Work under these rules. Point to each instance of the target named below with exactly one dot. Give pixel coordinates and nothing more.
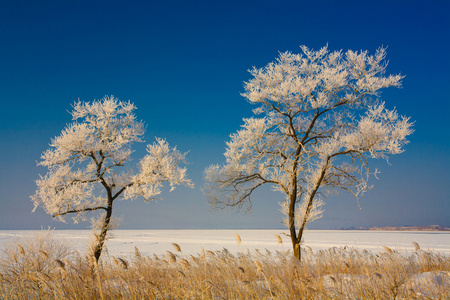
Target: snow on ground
(148, 242)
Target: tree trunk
(296, 243)
(297, 249)
(102, 236)
(297, 238)
(294, 238)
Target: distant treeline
(401, 228)
(413, 228)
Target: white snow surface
(123, 242)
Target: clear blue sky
(183, 63)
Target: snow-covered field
(191, 241)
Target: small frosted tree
(88, 166)
(320, 120)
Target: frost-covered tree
(89, 165)
(319, 121)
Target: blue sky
(183, 64)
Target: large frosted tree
(89, 165)
(318, 122)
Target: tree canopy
(319, 119)
(89, 164)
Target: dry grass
(337, 273)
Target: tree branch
(78, 211)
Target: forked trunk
(296, 244)
(297, 238)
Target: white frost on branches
(88, 163)
(301, 212)
(318, 121)
(159, 166)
